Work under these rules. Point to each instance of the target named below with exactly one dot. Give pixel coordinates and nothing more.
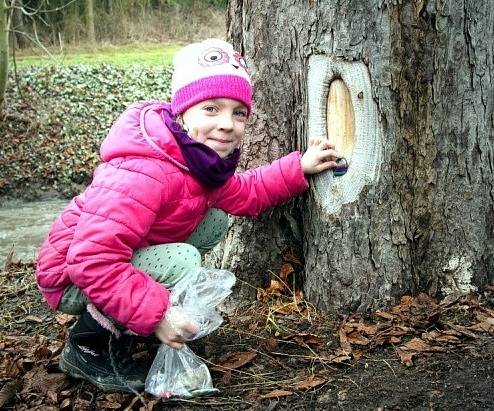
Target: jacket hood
(141, 132)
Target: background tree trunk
(18, 25)
(90, 21)
(4, 50)
(427, 223)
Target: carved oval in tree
(340, 118)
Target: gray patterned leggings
(166, 263)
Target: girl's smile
(218, 123)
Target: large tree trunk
(423, 220)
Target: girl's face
(218, 123)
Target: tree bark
(426, 221)
(91, 36)
(4, 51)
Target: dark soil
(293, 357)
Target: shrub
(53, 132)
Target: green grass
(145, 54)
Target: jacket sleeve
(252, 192)
(119, 208)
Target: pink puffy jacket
(143, 195)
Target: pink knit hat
(207, 70)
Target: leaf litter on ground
(248, 363)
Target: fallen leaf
(416, 344)
(64, 319)
(39, 380)
(275, 394)
(286, 270)
(108, 404)
(270, 344)
(232, 361)
(275, 288)
(344, 344)
(290, 258)
(34, 319)
(8, 390)
(305, 339)
(406, 357)
(65, 403)
(311, 382)
(286, 308)
(385, 315)
(357, 338)
(227, 378)
(52, 396)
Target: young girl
(155, 206)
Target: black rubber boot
(88, 355)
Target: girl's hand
(320, 156)
(176, 328)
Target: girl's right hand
(176, 328)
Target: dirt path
(277, 355)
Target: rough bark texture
(428, 223)
(91, 36)
(4, 50)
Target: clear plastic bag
(181, 373)
(178, 374)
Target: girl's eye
(210, 109)
(241, 113)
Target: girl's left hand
(320, 156)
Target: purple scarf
(203, 162)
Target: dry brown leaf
(369, 329)
(8, 390)
(440, 337)
(275, 288)
(450, 299)
(52, 396)
(463, 330)
(305, 339)
(357, 338)
(65, 403)
(385, 315)
(109, 405)
(43, 382)
(262, 295)
(406, 357)
(270, 344)
(290, 258)
(344, 344)
(285, 308)
(311, 382)
(416, 344)
(227, 378)
(64, 319)
(340, 356)
(33, 319)
(232, 361)
(275, 394)
(286, 270)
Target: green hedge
(53, 128)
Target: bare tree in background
(4, 49)
(90, 21)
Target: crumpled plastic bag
(181, 373)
